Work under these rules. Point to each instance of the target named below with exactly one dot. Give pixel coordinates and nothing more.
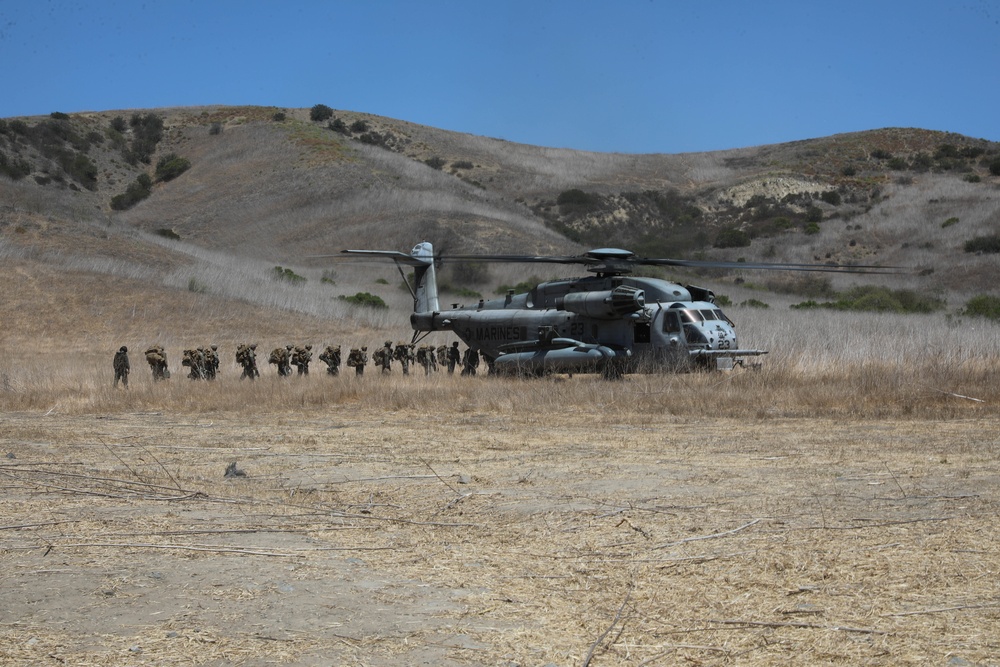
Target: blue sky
(629, 76)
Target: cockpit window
(722, 316)
(708, 315)
(690, 316)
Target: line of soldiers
(203, 362)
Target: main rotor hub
(610, 261)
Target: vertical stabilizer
(426, 289)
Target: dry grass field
(754, 517)
(836, 504)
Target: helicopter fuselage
(592, 323)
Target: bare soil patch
(368, 535)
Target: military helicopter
(610, 322)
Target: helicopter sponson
(559, 355)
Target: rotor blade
(394, 255)
(771, 266)
(519, 259)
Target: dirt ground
(485, 539)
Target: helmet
(388, 343)
(123, 349)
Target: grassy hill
(203, 203)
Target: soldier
(156, 357)
(331, 357)
(279, 357)
(357, 359)
(383, 357)
(301, 358)
(425, 357)
(121, 366)
(454, 356)
(246, 356)
(442, 355)
(470, 362)
(402, 355)
(211, 362)
(195, 360)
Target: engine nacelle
(606, 304)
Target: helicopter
(610, 322)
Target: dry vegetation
(836, 504)
(471, 521)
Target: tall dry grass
(790, 384)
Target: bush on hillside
(435, 162)
(320, 112)
(732, 238)
(171, 166)
(138, 190)
(287, 275)
(14, 168)
(364, 299)
(995, 167)
(983, 305)
(878, 299)
(984, 244)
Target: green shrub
(995, 167)
(879, 299)
(338, 126)
(359, 126)
(462, 164)
(196, 286)
(435, 162)
(119, 125)
(320, 112)
(215, 128)
(880, 154)
(983, 305)
(577, 199)
(14, 168)
(287, 275)
(364, 299)
(949, 222)
(814, 214)
(972, 178)
(811, 228)
(329, 277)
(278, 117)
(831, 197)
(138, 190)
(984, 244)
(732, 238)
(59, 115)
(898, 164)
(171, 166)
(754, 303)
(168, 233)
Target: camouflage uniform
(301, 358)
(470, 362)
(211, 362)
(156, 357)
(442, 355)
(357, 360)
(425, 357)
(280, 357)
(331, 357)
(403, 356)
(246, 356)
(121, 366)
(195, 360)
(383, 357)
(454, 356)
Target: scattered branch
(709, 537)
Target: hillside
(209, 200)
